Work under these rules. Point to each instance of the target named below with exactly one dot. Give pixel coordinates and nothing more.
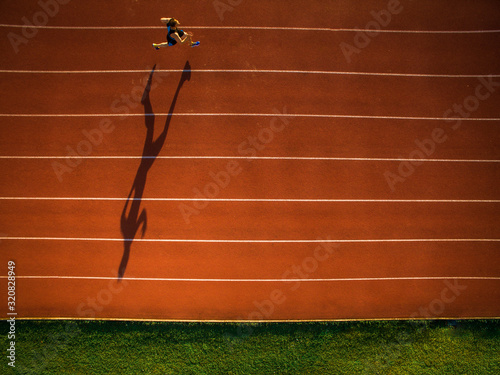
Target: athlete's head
(173, 22)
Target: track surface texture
(311, 160)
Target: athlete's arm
(178, 39)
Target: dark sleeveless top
(171, 41)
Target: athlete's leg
(160, 45)
(186, 37)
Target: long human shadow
(135, 219)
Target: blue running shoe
(194, 44)
(156, 47)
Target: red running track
(262, 176)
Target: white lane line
(299, 158)
(253, 28)
(245, 71)
(260, 280)
(247, 241)
(286, 200)
(220, 114)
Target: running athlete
(175, 35)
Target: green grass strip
(394, 347)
